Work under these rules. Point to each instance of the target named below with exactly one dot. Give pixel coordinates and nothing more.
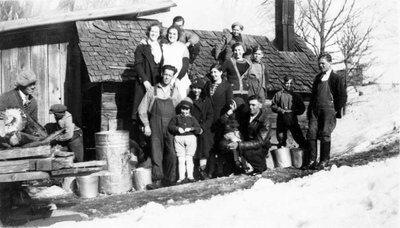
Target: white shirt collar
(325, 76)
(25, 99)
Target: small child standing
(185, 127)
(232, 134)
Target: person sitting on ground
(185, 127)
(72, 136)
(256, 130)
(288, 105)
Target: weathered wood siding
(45, 52)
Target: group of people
(217, 124)
(210, 126)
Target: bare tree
(319, 21)
(355, 46)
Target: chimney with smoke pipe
(284, 25)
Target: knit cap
(187, 102)
(25, 78)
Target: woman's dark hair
(238, 44)
(256, 48)
(177, 29)
(178, 18)
(216, 66)
(155, 24)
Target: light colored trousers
(185, 147)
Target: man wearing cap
(223, 49)
(22, 96)
(72, 137)
(256, 130)
(155, 111)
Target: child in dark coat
(288, 105)
(185, 127)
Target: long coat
(147, 70)
(220, 101)
(203, 111)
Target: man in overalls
(155, 111)
(328, 99)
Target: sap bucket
(141, 178)
(113, 146)
(88, 186)
(297, 157)
(281, 157)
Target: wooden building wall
(50, 53)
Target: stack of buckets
(285, 157)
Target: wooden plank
(24, 58)
(54, 92)
(14, 177)
(135, 9)
(62, 163)
(1, 73)
(63, 154)
(44, 164)
(17, 152)
(63, 69)
(9, 69)
(16, 166)
(89, 164)
(75, 171)
(39, 67)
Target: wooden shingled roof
(108, 49)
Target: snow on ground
(364, 196)
(369, 116)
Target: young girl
(185, 127)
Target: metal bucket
(113, 146)
(297, 157)
(141, 178)
(282, 158)
(88, 186)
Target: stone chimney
(284, 25)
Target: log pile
(41, 162)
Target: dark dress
(202, 110)
(147, 70)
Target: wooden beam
(16, 166)
(75, 171)
(138, 9)
(40, 151)
(14, 177)
(89, 164)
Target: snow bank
(367, 118)
(364, 196)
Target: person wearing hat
(156, 109)
(203, 111)
(223, 50)
(72, 136)
(22, 96)
(185, 127)
(288, 105)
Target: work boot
(156, 184)
(310, 156)
(325, 155)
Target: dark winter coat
(221, 98)
(12, 99)
(287, 100)
(256, 135)
(147, 70)
(181, 121)
(337, 85)
(203, 111)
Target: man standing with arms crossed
(328, 99)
